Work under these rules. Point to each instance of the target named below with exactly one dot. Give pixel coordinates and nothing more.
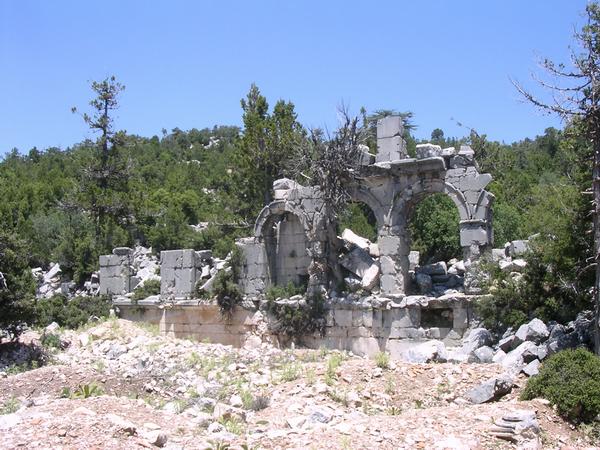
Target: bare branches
(336, 160)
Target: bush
(289, 290)
(298, 320)
(549, 289)
(70, 313)
(150, 287)
(570, 380)
(225, 288)
(16, 284)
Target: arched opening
(359, 217)
(433, 224)
(286, 247)
(433, 234)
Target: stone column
(393, 259)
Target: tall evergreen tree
(576, 98)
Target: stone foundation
(364, 328)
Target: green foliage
(51, 340)
(16, 284)
(434, 229)
(225, 288)
(359, 218)
(70, 313)
(570, 380)
(299, 320)
(275, 291)
(10, 405)
(150, 287)
(83, 391)
(382, 360)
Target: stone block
(342, 317)
(352, 239)
(388, 265)
(122, 251)
(358, 261)
(390, 126)
(390, 284)
(428, 151)
(414, 258)
(188, 258)
(473, 235)
(389, 245)
(460, 318)
(390, 149)
(402, 318)
(170, 258)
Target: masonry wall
(364, 330)
(291, 257)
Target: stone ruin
(289, 233)
(289, 244)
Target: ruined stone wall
(365, 328)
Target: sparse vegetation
(382, 360)
(10, 406)
(150, 287)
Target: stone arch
(277, 208)
(414, 193)
(284, 232)
(364, 195)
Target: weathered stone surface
(428, 151)
(413, 259)
(352, 240)
(484, 354)
(532, 368)
(427, 352)
(517, 248)
(358, 261)
(514, 360)
(535, 331)
(493, 389)
(370, 277)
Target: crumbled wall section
(116, 273)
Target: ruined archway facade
(390, 183)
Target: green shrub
(298, 320)
(275, 291)
(150, 287)
(543, 291)
(51, 340)
(570, 380)
(70, 313)
(225, 287)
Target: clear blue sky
(188, 64)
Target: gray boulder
(438, 268)
(478, 337)
(484, 354)
(514, 360)
(509, 343)
(533, 368)
(535, 331)
(493, 389)
(430, 351)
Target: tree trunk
(596, 190)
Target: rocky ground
(120, 385)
